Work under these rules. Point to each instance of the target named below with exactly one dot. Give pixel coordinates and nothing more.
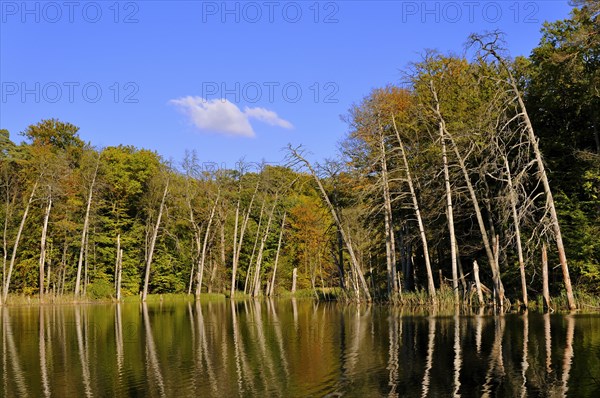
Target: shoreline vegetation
(475, 181)
(586, 303)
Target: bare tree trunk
(49, 277)
(496, 243)
(390, 244)
(294, 277)
(86, 222)
(259, 256)
(223, 254)
(550, 200)
(430, 284)
(340, 257)
(119, 267)
(234, 248)
(16, 245)
(200, 273)
(277, 257)
(515, 216)
(449, 210)
(193, 270)
(7, 214)
(354, 261)
(43, 246)
(248, 272)
(86, 275)
(64, 269)
(545, 289)
(477, 283)
(153, 242)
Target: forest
(461, 182)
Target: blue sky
(227, 79)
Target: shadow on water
(293, 348)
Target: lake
(293, 348)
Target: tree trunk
(153, 242)
(340, 257)
(390, 244)
(86, 221)
(16, 245)
(430, 284)
(277, 256)
(119, 267)
(43, 246)
(259, 256)
(449, 212)
(7, 215)
(550, 200)
(249, 271)
(49, 277)
(545, 289)
(461, 272)
(515, 216)
(200, 273)
(477, 283)
(234, 248)
(294, 277)
(354, 261)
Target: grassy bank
(19, 299)
(411, 300)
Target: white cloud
(225, 117)
(267, 116)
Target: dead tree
(43, 243)
(415, 201)
(491, 48)
(355, 266)
(390, 241)
(84, 232)
(200, 272)
(16, 245)
(272, 286)
(153, 242)
(498, 287)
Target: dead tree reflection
(153, 366)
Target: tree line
(464, 176)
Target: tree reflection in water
(293, 348)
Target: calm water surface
(292, 348)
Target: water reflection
(151, 357)
(83, 345)
(524, 361)
(429, 361)
(457, 353)
(12, 355)
(293, 348)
